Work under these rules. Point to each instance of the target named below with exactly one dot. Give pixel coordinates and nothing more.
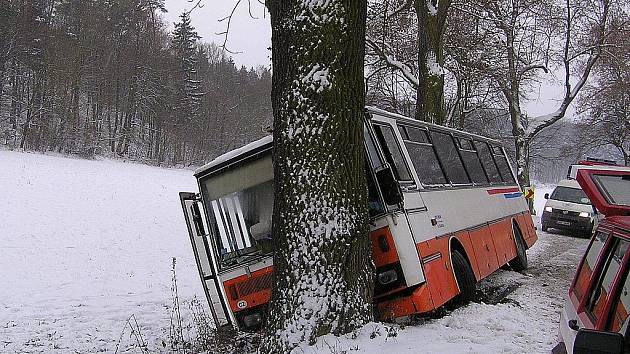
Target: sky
(250, 39)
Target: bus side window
(471, 161)
(590, 260)
(375, 206)
(392, 152)
(487, 161)
(423, 157)
(504, 167)
(448, 155)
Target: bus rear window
(504, 166)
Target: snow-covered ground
(83, 246)
(86, 244)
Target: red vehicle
(596, 318)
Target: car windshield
(571, 195)
(239, 208)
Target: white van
(568, 208)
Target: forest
(107, 78)
(122, 84)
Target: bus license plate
(565, 223)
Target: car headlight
(548, 209)
(387, 277)
(585, 214)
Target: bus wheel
(465, 278)
(519, 263)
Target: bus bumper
(419, 301)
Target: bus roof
(261, 144)
(399, 117)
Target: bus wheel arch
(463, 272)
(518, 263)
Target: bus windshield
(239, 208)
(571, 195)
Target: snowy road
(85, 244)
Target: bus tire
(545, 227)
(465, 278)
(519, 263)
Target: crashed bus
(445, 212)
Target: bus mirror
(389, 186)
(591, 341)
(546, 195)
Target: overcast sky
(249, 36)
(252, 38)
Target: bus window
(423, 157)
(597, 299)
(471, 161)
(391, 150)
(504, 167)
(375, 206)
(448, 155)
(373, 158)
(487, 161)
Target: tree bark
(322, 264)
(430, 92)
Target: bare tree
(521, 38)
(322, 266)
(421, 24)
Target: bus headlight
(585, 214)
(252, 320)
(387, 277)
(548, 209)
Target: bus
(445, 212)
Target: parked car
(595, 318)
(568, 208)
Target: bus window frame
(458, 139)
(507, 161)
(446, 132)
(429, 143)
(408, 184)
(372, 169)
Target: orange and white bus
(445, 212)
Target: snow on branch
(392, 62)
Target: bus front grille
(254, 285)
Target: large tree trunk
(430, 92)
(322, 265)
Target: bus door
(205, 259)
(386, 157)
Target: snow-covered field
(83, 246)
(86, 244)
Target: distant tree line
(92, 77)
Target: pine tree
(188, 88)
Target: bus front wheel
(465, 278)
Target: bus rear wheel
(519, 263)
(465, 278)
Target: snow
(233, 153)
(86, 244)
